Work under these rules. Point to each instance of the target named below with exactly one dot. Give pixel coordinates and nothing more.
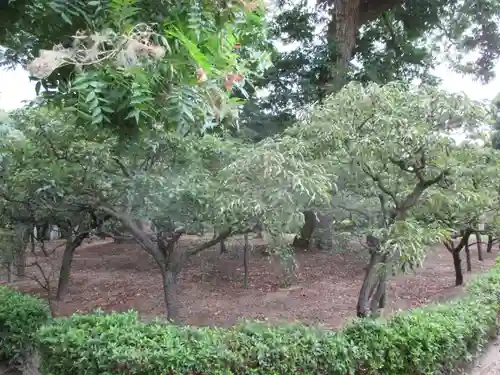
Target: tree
(178, 183)
(339, 41)
(472, 197)
(30, 197)
(393, 148)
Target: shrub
(427, 340)
(21, 316)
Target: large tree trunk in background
(347, 22)
(316, 231)
(65, 271)
(10, 272)
(20, 263)
(346, 18)
(455, 253)
(223, 247)
(457, 264)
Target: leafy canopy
(129, 65)
(392, 150)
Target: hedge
(428, 340)
(21, 316)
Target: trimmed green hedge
(21, 316)
(428, 340)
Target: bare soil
(489, 362)
(120, 277)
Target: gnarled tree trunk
(371, 298)
(316, 232)
(455, 250)
(69, 250)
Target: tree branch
(123, 167)
(212, 242)
(378, 180)
(142, 238)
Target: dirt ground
(123, 276)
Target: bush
(21, 316)
(428, 340)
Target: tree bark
(10, 273)
(65, 271)
(479, 246)
(304, 239)
(369, 284)
(20, 262)
(170, 294)
(223, 247)
(346, 18)
(246, 250)
(20, 252)
(489, 248)
(457, 264)
(467, 257)
(316, 231)
(378, 300)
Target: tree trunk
(304, 239)
(170, 293)
(377, 303)
(457, 264)
(223, 247)
(10, 273)
(369, 284)
(246, 249)
(20, 256)
(489, 248)
(64, 273)
(479, 246)
(345, 27)
(20, 262)
(467, 257)
(346, 19)
(316, 231)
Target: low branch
(222, 236)
(378, 181)
(418, 190)
(142, 238)
(123, 167)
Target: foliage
(21, 316)
(131, 65)
(472, 194)
(421, 341)
(396, 40)
(190, 179)
(386, 171)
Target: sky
(15, 86)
